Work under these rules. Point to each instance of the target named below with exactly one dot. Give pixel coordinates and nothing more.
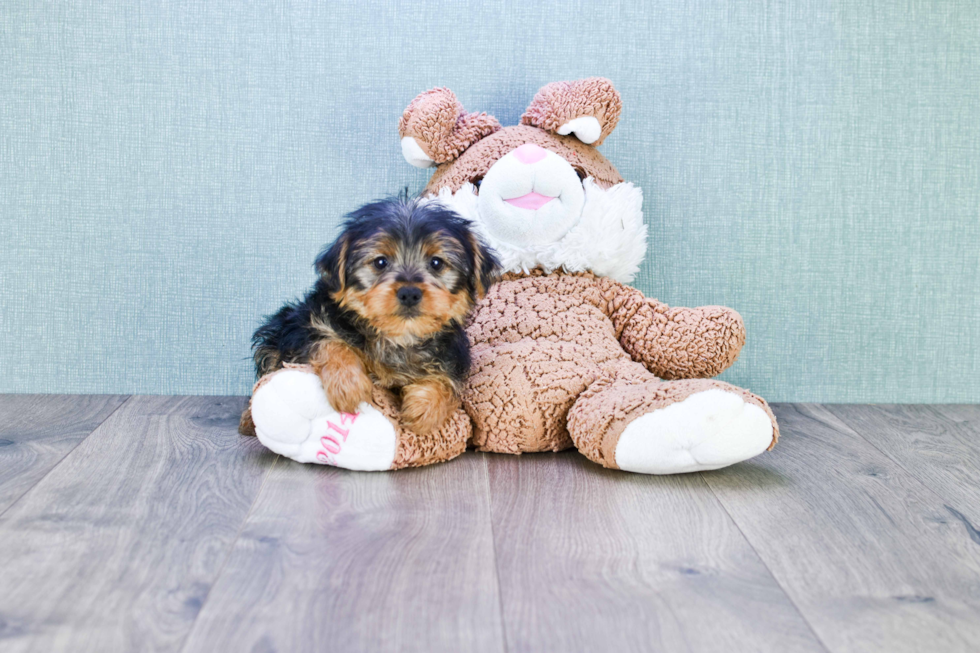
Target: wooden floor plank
(867, 552)
(333, 560)
(592, 559)
(939, 445)
(116, 548)
(36, 431)
(860, 529)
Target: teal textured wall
(169, 170)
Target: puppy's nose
(409, 296)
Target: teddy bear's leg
(293, 418)
(518, 394)
(633, 421)
(245, 424)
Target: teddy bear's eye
(581, 174)
(476, 182)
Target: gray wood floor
(148, 524)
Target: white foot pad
(708, 430)
(293, 418)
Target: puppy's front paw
(427, 404)
(346, 388)
(342, 374)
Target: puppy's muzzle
(409, 296)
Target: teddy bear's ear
(589, 108)
(435, 128)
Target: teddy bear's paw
(707, 430)
(293, 418)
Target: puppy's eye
(380, 263)
(437, 264)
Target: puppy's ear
(331, 264)
(486, 267)
(435, 128)
(588, 108)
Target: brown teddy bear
(564, 354)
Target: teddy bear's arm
(674, 343)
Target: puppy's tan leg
(341, 370)
(427, 403)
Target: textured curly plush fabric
(475, 161)
(554, 361)
(440, 125)
(609, 405)
(559, 102)
(413, 449)
(678, 343)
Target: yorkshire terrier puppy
(388, 309)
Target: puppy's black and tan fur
(387, 309)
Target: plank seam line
(493, 545)
(772, 575)
(231, 550)
(67, 453)
(915, 477)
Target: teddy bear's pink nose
(530, 153)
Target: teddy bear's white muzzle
(531, 196)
